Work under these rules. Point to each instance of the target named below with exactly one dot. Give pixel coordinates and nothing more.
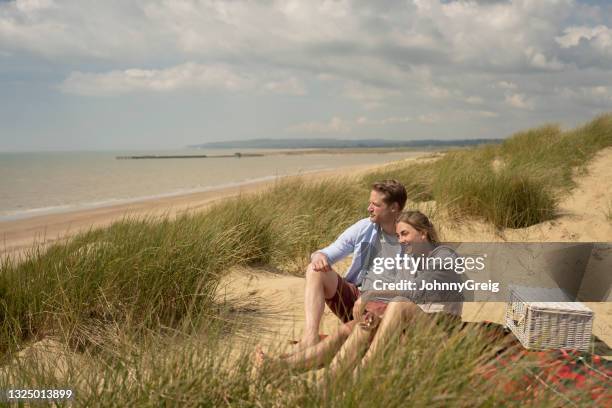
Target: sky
(163, 74)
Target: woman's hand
(358, 308)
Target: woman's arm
(371, 295)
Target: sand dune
(583, 218)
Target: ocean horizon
(39, 183)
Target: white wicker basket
(552, 323)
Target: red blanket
(574, 378)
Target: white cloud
(340, 125)
(334, 125)
(485, 114)
(28, 6)
(474, 100)
(462, 60)
(362, 120)
(539, 60)
(599, 95)
(599, 36)
(370, 96)
(518, 101)
(185, 76)
(437, 92)
(496, 35)
(288, 86)
(290, 32)
(506, 85)
(430, 118)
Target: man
(367, 239)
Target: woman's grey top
(435, 270)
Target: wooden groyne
(190, 156)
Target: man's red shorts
(343, 300)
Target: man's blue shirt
(358, 239)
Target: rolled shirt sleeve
(343, 246)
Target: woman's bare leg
(354, 347)
(396, 317)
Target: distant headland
(340, 143)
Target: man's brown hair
(393, 192)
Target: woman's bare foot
(259, 360)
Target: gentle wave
(58, 209)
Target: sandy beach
(17, 236)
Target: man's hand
(320, 263)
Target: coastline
(19, 235)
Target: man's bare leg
(320, 285)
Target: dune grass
(438, 368)
(514, 184)
(117, 297)
(150, 274)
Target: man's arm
(343, 246)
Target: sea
(34, 184)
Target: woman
(419, 238)
(382, 313)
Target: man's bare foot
(307, 342)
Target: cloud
(599, 96)
(518, 101)
(539, 60)
(340, 125)
(410, 62)
(600, 36)
(430, 118)
(474, 100)
(370, 96)
(506, 85)
(187, 76)
(288, 86)
(485, 114)
(386, 37)
(384, 121)
(28, 6)
(437, 92)
(334, 125)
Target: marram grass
(150, 274)
(515, 184)
(135, 304)
(431, 365)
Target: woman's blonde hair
(421, 223)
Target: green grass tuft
(513, 185)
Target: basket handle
(514, 316)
